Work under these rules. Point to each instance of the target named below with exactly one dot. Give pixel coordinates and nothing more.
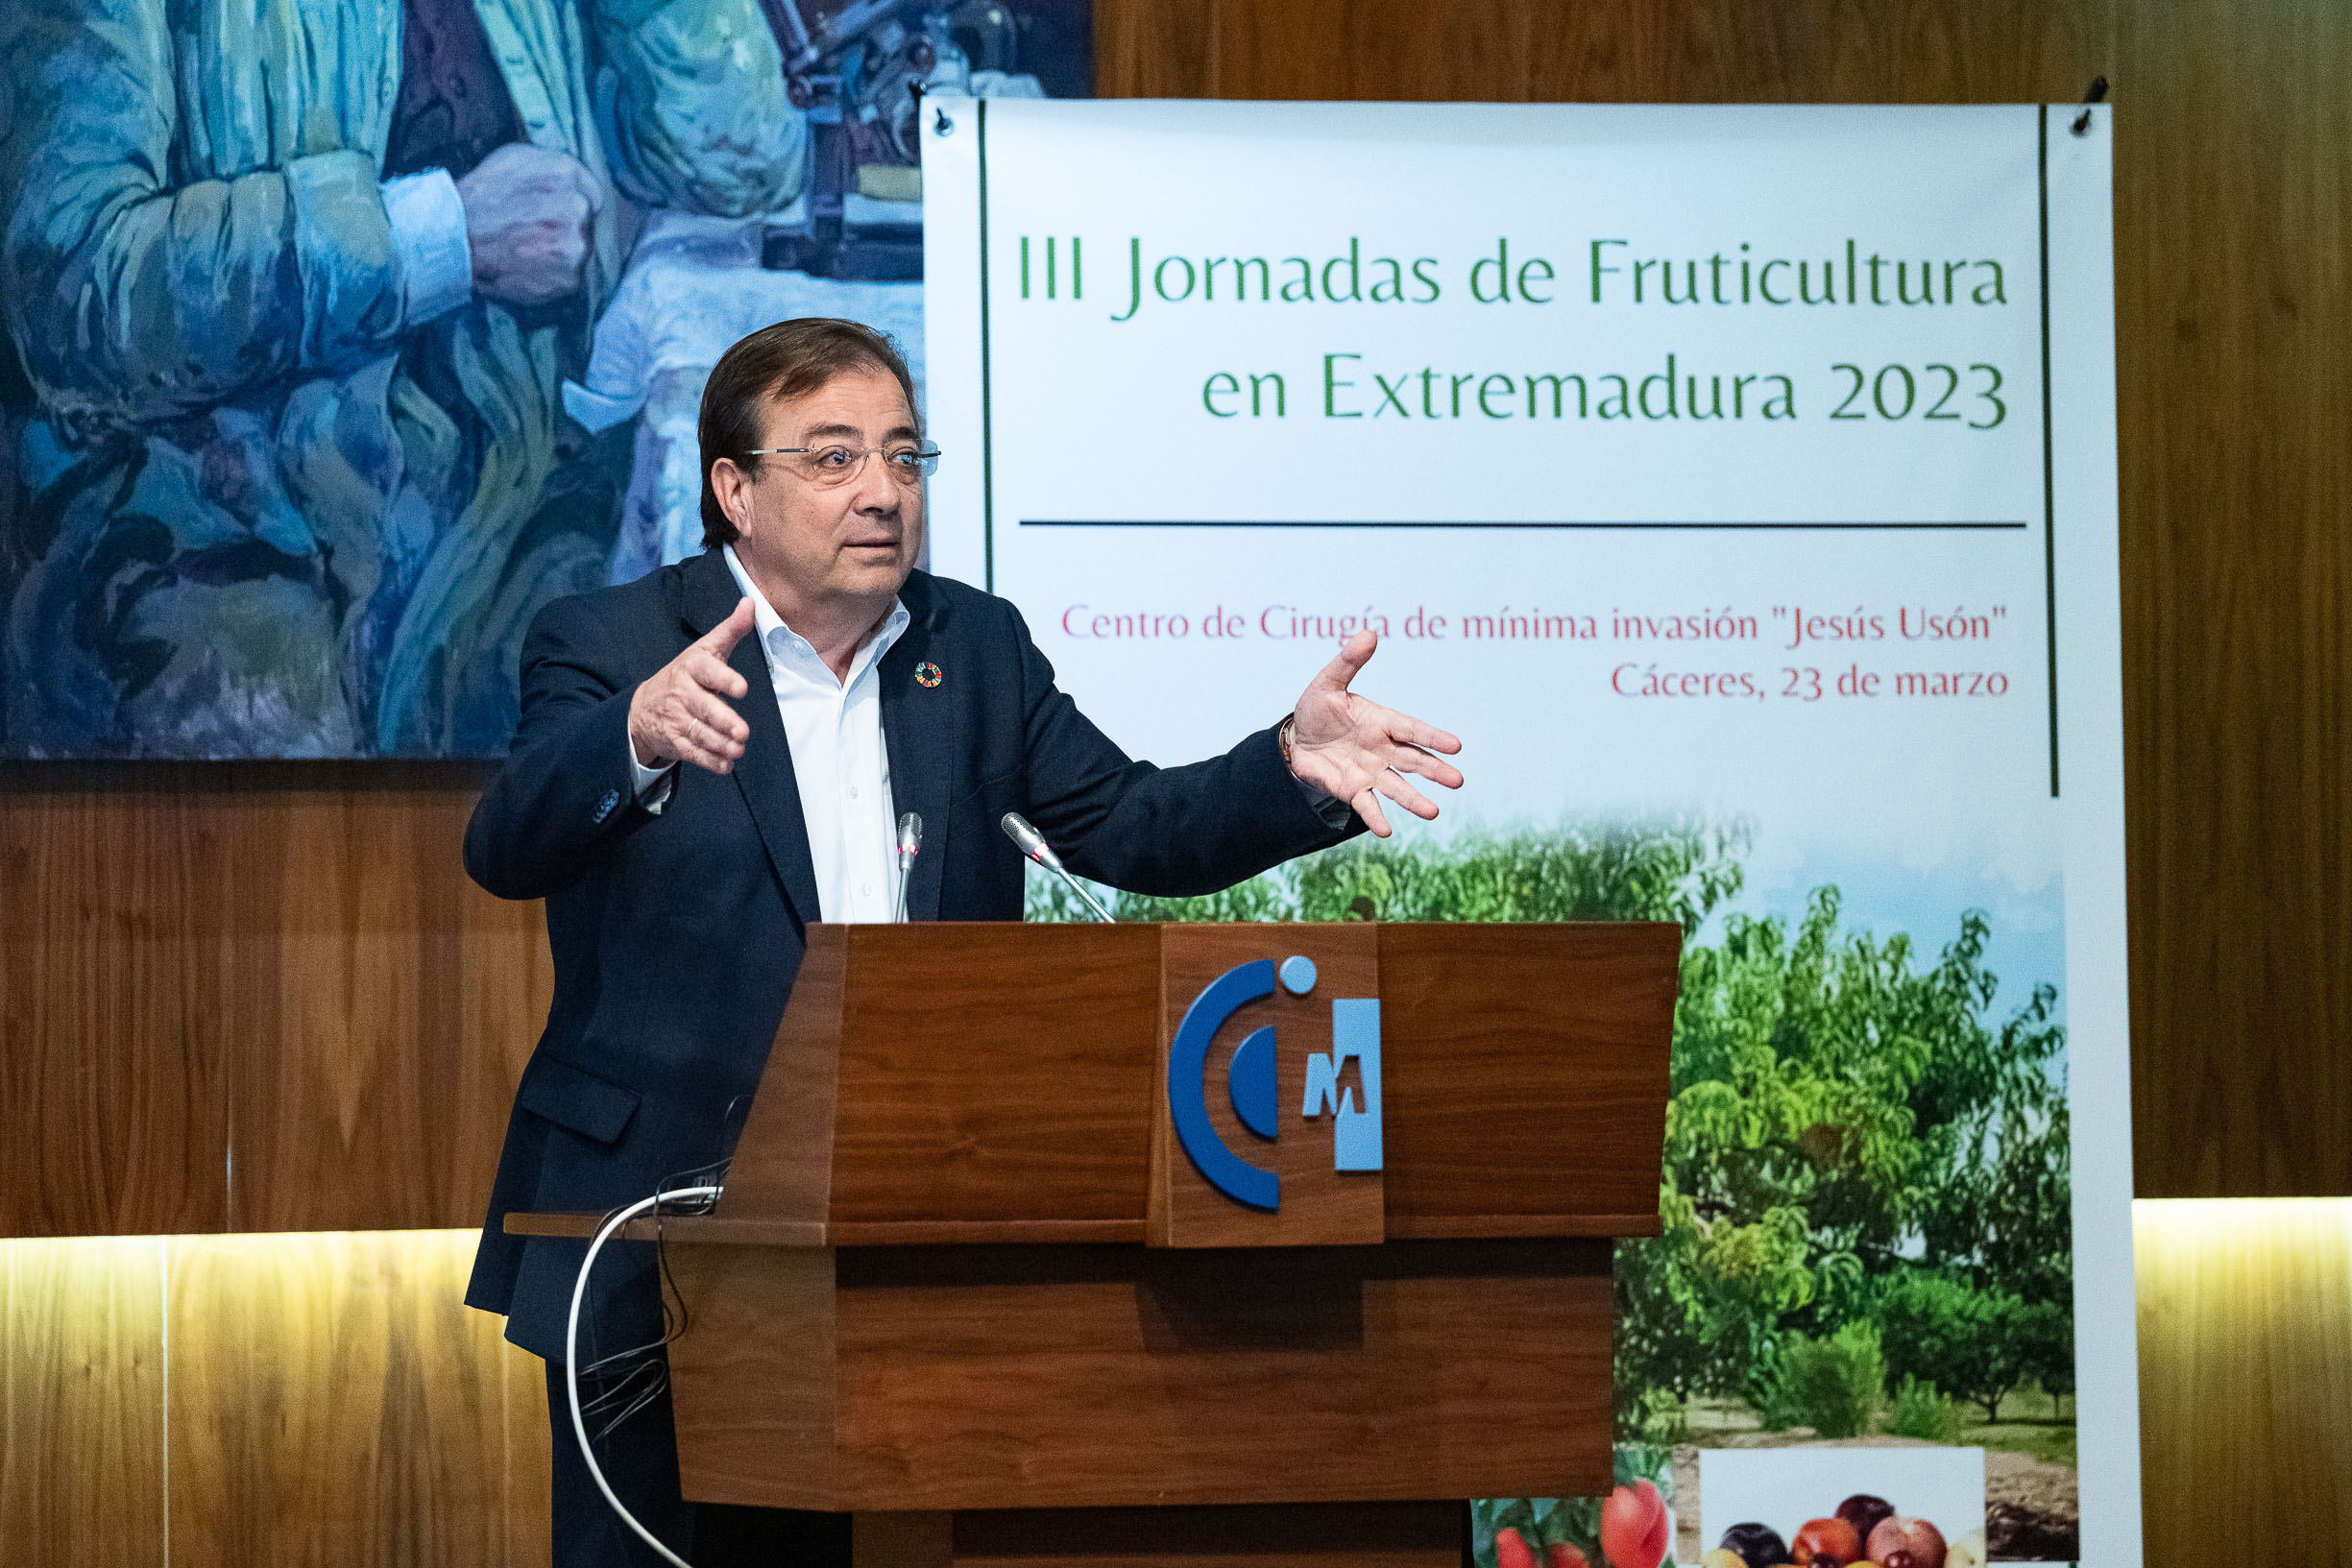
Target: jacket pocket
(576, 1099)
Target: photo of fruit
(1843, 1508)
(1632, 1527)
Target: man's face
(854, 540)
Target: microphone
(910, 843)
(1032, 844)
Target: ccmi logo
(1251, 1079)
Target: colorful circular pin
(928, 675)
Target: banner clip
(2098, 94)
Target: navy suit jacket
(677, 935)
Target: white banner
(1745, 467)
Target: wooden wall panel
(2234, 310)
(2245, 1377)
(321, 1400)
(392, 1004)
(1660, 51)
(81, 1437)
(528, 1457)
(332, 1403)
(112, 1023)
(254, 998)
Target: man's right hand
(682, 712)
(528, 210)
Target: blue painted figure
(295, 287)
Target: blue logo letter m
(1355, 1035)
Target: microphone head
(909, 834)
(1028, 839)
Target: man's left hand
(1359, 751)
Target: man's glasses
(829, 465)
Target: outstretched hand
(1353, 748)
(681, 714)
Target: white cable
(571, 1358)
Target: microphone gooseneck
(909, 844)
(1032, 845)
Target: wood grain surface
(754, 1396)
(1490, 1111)
(391, 1006)
(241, 1400)
(288, 954)
(2233, 307)
(114, 1030)
(1085, 1377)
(2245, 1376)
(956, 1075)
(782, 1165)
(939, 1084)
(333, 1402)
(970, 1088)
(82, 1435)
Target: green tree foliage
(1830, 1385)
(1852, 1133)
(1965, 1337)
(1667, 869)
(1842, 1114)
(1921, 1411)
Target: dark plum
(1863, 1512)
(1759, 1546)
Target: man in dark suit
(688, 795)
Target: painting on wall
(341, 337)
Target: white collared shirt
(834, 727)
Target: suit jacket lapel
(765, 771)
(918, 732)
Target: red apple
(1832, 1543)
(1562, 1555)
(1901, 1533)
(1634, 1527)
(1512, 1550)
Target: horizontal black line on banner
(1240, 522)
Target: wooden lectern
(968, 1282)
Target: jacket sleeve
(567, 794)
(698, 114)
(136, 298)
(1169, 832)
